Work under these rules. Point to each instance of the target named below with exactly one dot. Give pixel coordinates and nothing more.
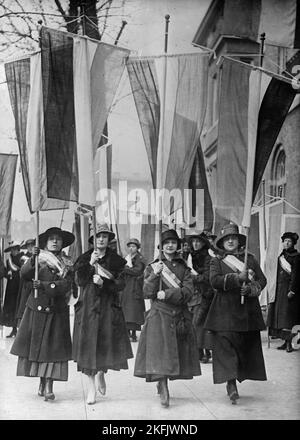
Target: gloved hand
(35, 251)
(158, 267)
(97, 280)
(243, 276)
(245, 289)
(36, 284)
(290, 294)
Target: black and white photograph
(149, 213)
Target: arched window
(278, 174)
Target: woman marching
(12, 273)
(132, 299)
(284, 313)
(100, 338)
(237, 350)
(203, 292)
(43, 342)
(167, 347)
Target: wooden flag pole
(94, 228)
(36, 265)
(262, 44)
(161, 164)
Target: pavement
(131, 398)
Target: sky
(143, 35)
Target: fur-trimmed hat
(67, 237)
(230, 229)
(101, 229)
(292, 235)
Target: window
(278, 173)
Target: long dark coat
(226, 312)
(203, 295)
(11, 292)
(284, 313)
(23, 294)
(167, 345)
(100, 338)
(132, 299)
(236, 342)
(44, 333)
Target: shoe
(282, 347)
(232, 391)
(204, 359)
(208, 354)
(101, 383)
(164, 393)
(49, 395)
(12, 334)
(289, 347)
(41, 391)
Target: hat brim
(24, 246)
(205, 240)
(241, 238)
(111, 236)
(67, 238)
(9, 248)
(132, 242)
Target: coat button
(52, 285)
(47, 309)
(173, 312)
(39, 308)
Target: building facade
(227, 29)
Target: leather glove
(36, 284)
(243, 276)
(245, 290)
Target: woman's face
(231, 243)
(170, 246)
(54, 243)
(287, 243)
(102, 240)
(197, 244)
(132, 249)
(185, 247)
(14, 251)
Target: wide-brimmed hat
(12, 244)
(67, 237)
(102, 228)
(230, 229)
(28, 242)
(292, 235)
(134, 241)
(201, 235)
(170, 234)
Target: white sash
(128, 258)
(169, 277)
(189, 263)
(237, 265)
(285, 265)
(234, 263)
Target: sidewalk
(131, 398)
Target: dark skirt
(49, 370)
(237, 355)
